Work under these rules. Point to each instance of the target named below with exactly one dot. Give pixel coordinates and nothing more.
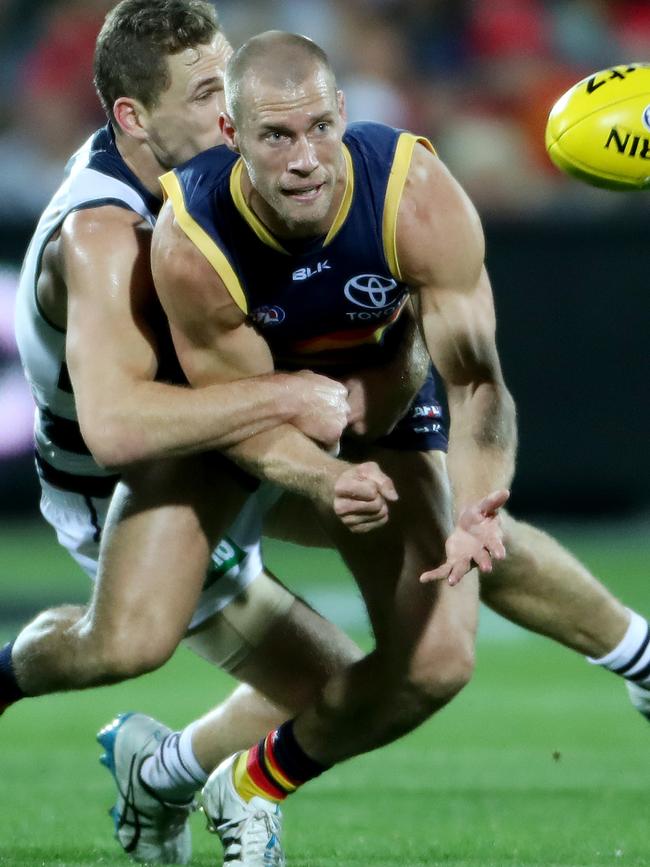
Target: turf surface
(540, 761)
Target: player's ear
(128, 114)
(340, 101)
(228, 131)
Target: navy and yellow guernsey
(330, 303)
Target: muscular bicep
(459, 327)
(111, 303)
(213, 339)
(440, 252)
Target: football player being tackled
(296, 188)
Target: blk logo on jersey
(306, 273)
(268, 316)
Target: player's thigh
(411, 621)
(294, 519)
(275, 642)
(164, 521)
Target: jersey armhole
(394, 189)
(173, 191)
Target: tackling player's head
(159, 74)
(285, 117)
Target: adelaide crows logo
(371, 291)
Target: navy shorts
(425, 427)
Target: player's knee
(56, 620)
(122, 655)
(440, 677)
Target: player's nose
(303, 157)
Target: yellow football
(599, 130)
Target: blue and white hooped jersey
(328, 302)
(324, 302)
(96, 175)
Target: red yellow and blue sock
(275, 767)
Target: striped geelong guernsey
(326, 302)
(96, 175)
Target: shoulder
(438, 227)
(184, 279)
(375, 141)
(95, 224)
(198, 177)
(104, 238)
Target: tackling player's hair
(137, 38)
(283, 58)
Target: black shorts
(425, 427)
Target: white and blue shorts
(236, 560)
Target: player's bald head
(276, 59)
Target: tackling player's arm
(112, 355)
(440, 251)
(215, 344)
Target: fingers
(451, 570)
(387, 490)
(355, 525)
(361, 517)
(491, 504)
(361, 496)
(496, 549)
(435, 574)
(384, 483)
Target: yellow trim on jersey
(247, 213)
(197, 234)
(258, 226)
(346, 201)
(398, 173)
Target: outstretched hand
(476, 540)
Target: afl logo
(371, 290)
(264, 316)
(646, 117)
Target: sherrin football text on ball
(599, 130)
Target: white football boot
(249, 831)
(148, 829)
(640, 697)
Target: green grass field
(541, 761)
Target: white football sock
(631, 657)
(173, 771)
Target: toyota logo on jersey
(371, 291)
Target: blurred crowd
(477, 76)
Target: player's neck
(142, 162)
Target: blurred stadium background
(570, 270)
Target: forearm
(291, 460)
(482, 441)
(155, 420)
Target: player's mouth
(304, 194)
